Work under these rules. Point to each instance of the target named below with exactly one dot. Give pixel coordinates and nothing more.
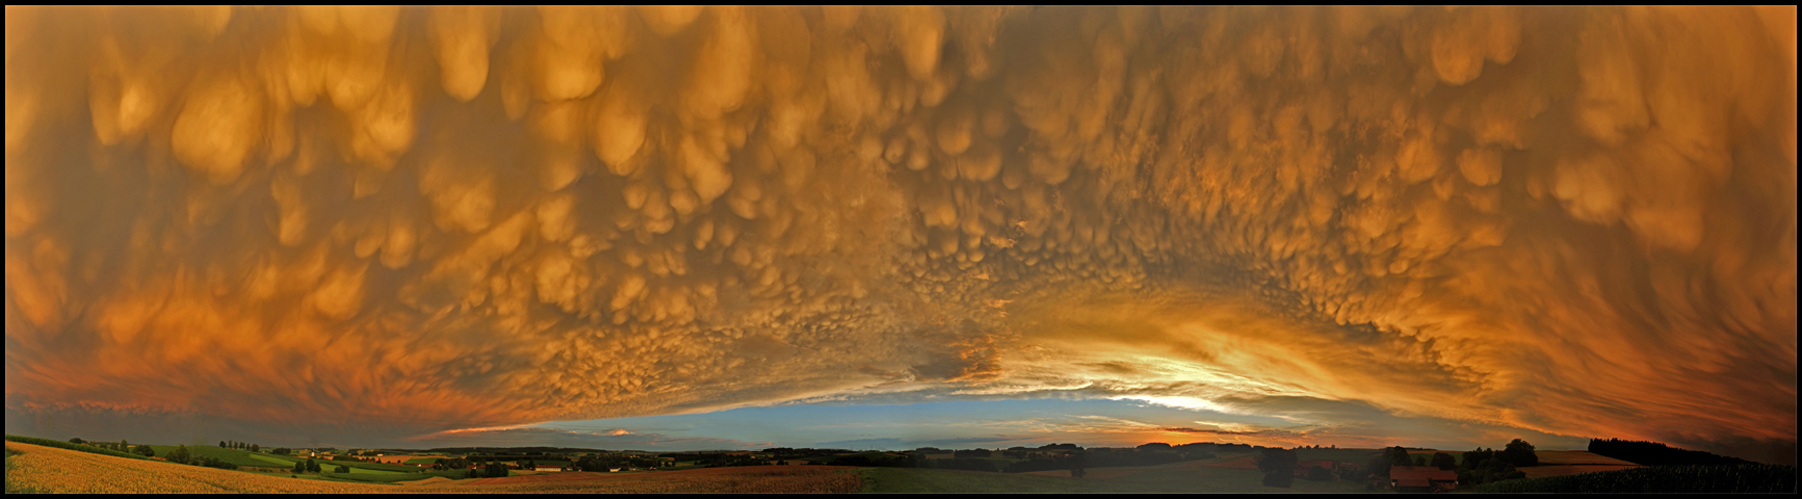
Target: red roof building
(1422, 479)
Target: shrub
(1279, 479)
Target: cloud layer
(1579, 221)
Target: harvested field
(1561, 470)
(1087, 474)
(428, 481)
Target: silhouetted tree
(1420, 460)
(300, 467)
(255, 448)
(77, 440)
(1445, 461)
(1278, 466)
(1519, 453)
(312, 466)
(1397, 456)
(222, 444)
(1378, 466)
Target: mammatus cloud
(1579, 221)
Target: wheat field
(65, 471)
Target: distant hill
(509, 450)
(1657, 454)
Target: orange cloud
(1575, 221)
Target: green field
(260, 460)
(234, 456)
(394, 477)
(1175, 477)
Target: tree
(180, 455)
(122, 442)
(1519, 453)
(1319, 474)
(300, 467)
(1378, 466)
(255, 448)
(222, 444)
(1444, 461)
(1397, 456)
(1278, 466)
(341, 469)
(77, 440)
(1420, 460)
(312, 466)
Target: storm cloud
(1576, 221)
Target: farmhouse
(547, 467)
(1422, 479)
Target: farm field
(234, 456)
(1187, 476)
(1561, 470)
(1569, 457)
(1237, 463)
(65, 471)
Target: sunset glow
(684, 228)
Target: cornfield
(64, 471)
(1719, 478)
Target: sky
(677, 228)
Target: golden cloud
(1579, 221)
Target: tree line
(233, 444)
(1657, 454)
(1478, 466)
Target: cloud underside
(1576, 221)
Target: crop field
(65, 471)
(1238, 463)
(1754, 478)
(1097, 474)
(234, 456)
(55, 470)
(1569, 457)
(751, 479)
(1174, 477)
(1561, 470)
